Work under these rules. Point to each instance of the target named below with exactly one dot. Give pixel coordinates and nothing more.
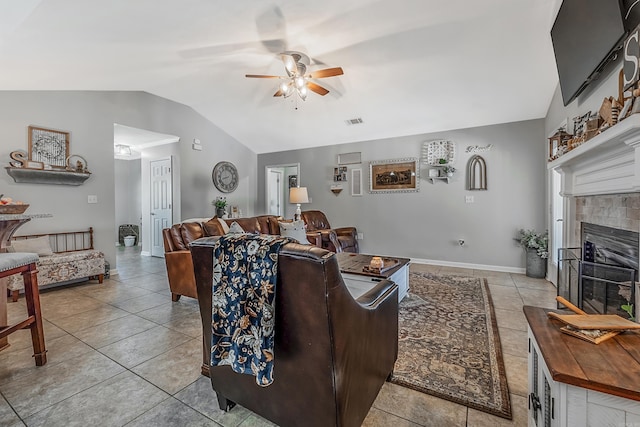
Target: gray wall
(427, 225)
(128, 193)
(90, 116)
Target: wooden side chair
(25, 263)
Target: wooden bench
(73, 260)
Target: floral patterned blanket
(245, 269)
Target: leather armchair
(341, 239)
(332, 353)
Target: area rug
(448, 343)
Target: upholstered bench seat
(9, 261)
(64, 268)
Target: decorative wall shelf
(42, 176)
(435, 179)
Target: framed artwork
(388, 176)
(51, 147)
(293, 181)
(340, 174)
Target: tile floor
(122, 353)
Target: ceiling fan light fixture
(300, 82)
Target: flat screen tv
(585, 34)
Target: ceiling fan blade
(290, 65)
(317, 88)
(327, 72)
(261, 76)
(279, 93)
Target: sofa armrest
(346, 231)
(315, 238)
(180, 273)
(374, 296)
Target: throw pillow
(39, 245)
(235, 228)
(224, 225)
(294, 230)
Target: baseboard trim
(500, 268)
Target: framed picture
(51, 147)
(293, 181)
(400, 175)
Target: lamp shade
(298, 195)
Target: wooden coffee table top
(354, 263)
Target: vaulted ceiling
(410, 66)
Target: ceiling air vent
(356, 121)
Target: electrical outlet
(468, 199)
(360, 236)
(92, 199)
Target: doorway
(161, 203)
(278, 179)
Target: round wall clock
(225, 177)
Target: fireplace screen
(600, 276)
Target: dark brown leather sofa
(341, 239)
(176, 246)
(332, 353)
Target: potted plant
(220, 203)
(449, 170)
(536, 245)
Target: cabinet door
(542, 391)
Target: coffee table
(359, 281)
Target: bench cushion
(64, 267)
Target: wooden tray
(607, 322)
(13, 209)
(594, 336)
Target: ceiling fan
(297, 79)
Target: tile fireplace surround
(600, 182)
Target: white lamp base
(298, 213)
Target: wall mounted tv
(585, 36)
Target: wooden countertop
(611, 367)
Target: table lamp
(298, 195)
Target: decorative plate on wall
(225, 177)
(433, 151)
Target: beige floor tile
(111, 403)
(511, 319)
(514, 342)
(54, 309)
(538, 298)
(419, 407)
(379, 418)
(171, 310)
(174, 370)
(139, 348)
(22, 338)
(189, 324)
(134, 305)
(517, 372)
(101, 314)
(200, 396)
(16, 363)
(519, 411)
(152, 282)
(505, 296)
(456, 271)
(53, 383)
(424, 268)
(8, 416)
(171, 413)
(115, 330)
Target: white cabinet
(557, 404)
(359, 284)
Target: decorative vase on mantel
(536, 265)
(220, 212)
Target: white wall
(427, 225)
(90, 116)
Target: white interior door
(161, 205)
(275, 199)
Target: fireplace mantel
(608, 163)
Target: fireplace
(600, 276)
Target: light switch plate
(92, 198)
(468, 199)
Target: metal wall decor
(49, 146)
(476, 173)
(433, 151)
